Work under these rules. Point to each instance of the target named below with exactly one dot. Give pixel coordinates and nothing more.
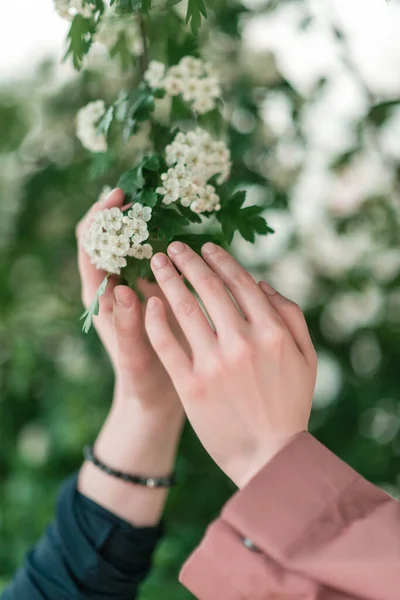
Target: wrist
(140, 442)
(261, 456)
(164, 406)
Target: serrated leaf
(148, 197)
(168, 223)
(79, 40)
(131, 180)
(189, 214)
(247, 221)
(151, 163)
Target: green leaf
(344, 159)
(167, 223)
(121, 50)
(380, 112)
(101, 163)
(131, 180)
(121, 106)
(105, 122)
(94, 308)
(151, 163)
(79, 40)
(247, 221)
(148, 197)
(195, 10)
(189, 214)
(171, 3)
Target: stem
(144, 59)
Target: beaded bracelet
(150, 482)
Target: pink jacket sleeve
(307, 527)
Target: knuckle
(214, 368)
(293, 307)
(241, 278)
(272, 337)
(241, 349)
(211, 282)
(196, 388)
(160, 343)
(186, 257)
(220, 257)
(166, 274)
(187, 307)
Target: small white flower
(192, 67)
(203, 105)
(141, 252)
(173, 85)
(112, 219)
(120, 245)
(170, 197)
(138, 211)
(191, 89)
(155, 74)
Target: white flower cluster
(67, 9)
(87, 120)
(112, 237)
(194, 158)
(192, 78)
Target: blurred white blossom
(87, 121)
(193, 79)
(69, 8)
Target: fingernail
(209, 248)
(152, 304)
(122, 297)
(176, 248)
(105, 200)
(159, 261)
(268, 289)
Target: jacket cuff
(278, 506)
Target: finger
(219, 305)
(294, 319)
(170, 352)
(184, 305)
(91, 276)
(134, 350)
(240, 283)
(149, 289)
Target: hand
(248, 388)
(142, 430)
(140, 376)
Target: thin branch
(144, 59)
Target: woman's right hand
(248, 387)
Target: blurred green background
(314, 126)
